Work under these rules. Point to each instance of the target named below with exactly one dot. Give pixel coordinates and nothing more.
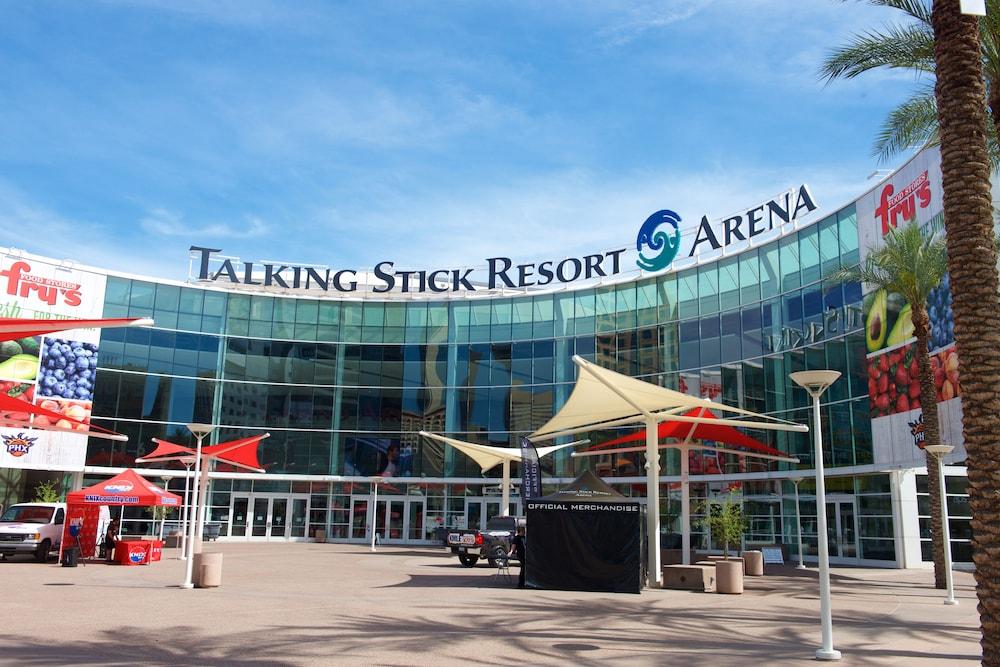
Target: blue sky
(430, 134)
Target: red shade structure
(14, 328)
(11, 408)
(700, 431)
(241, 453)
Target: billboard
(56, 372)
(912, 193)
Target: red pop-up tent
(126, 489)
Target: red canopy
(702, 431)
(126, 488)
(241, 453)
(10, 406)
(14, 328)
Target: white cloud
(638, 18)
(163, 222)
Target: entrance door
(390, 519)
(268, 516)
(840, 528)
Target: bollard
(207, 570)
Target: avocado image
(20, 367)
(9, 348)
(29, 345)
(903, 329)
(875, 323)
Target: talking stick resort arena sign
(661, 240)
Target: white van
(32, 529)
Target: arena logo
(665, 243)
(18, 445)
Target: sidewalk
(323, 604)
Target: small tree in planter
(726, 521)
(47, 492)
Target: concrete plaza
(335, 604)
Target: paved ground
(326, 604)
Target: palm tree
(972, 262)
(912, 264)
(910, 46)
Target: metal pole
(189, 569)
(655, 576)
(946, 533)
(202, 506)
(505, 490)
(374, 513)
(798, 521)
(826, 652)
(184, 520)
(685, 507)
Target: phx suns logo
(18, 445)
(665, 243)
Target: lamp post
(199, 431)
(815, 383)
(184, 513)
(375, 481)
(163, 519)
(939, 452)
(798, 519)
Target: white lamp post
(163, 519)
(939, 452)
(375, 481)
(798, 519)
(816, 382)
(184, 514)
(199, 431)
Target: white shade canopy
(487, 456)
(603, 398)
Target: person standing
(110, 539)
(517, 549)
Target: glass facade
(344, 387)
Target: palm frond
(913, 123)
(917, 9)
(911, 262)
(902, 47)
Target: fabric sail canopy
(599, 400)
(17, 413)
(126, 488)
(14, 328)
(701, 431)
(241, 452)
(487, 456)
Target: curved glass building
(343, 385)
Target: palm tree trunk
(928, 405)
(965, 169)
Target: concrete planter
(753, 563)
(207, 570)
(729, 576)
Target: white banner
(55, 372)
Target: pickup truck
(32, 528)
(471, 545)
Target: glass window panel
(770, 276)
(167, 297)
(284, 310)
(605, 308)
(729, 283)
(690, 351)
(584, 315)
(191, 300)
(731, 331)
(215, 304)
(708, 288)
(625, 300)
(329, 313)
(809, 254)
(261, 308)
(543, 316)
(687, 293)
(829, 246)
(749, 277)
(848, 228)
(789, 252)
(710, 344)
(647, 308)
(239, 305)
(666, 288)
(116, 291)
(307, 311)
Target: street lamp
(163, 519)
(798, 518)
(939, 452)
(375, 481)
(199, 431)
(184, 512)
(816, 382)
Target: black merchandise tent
(585, 537)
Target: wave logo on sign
(658, 241)
(137, 554)
(119, 487)
(18, 445)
